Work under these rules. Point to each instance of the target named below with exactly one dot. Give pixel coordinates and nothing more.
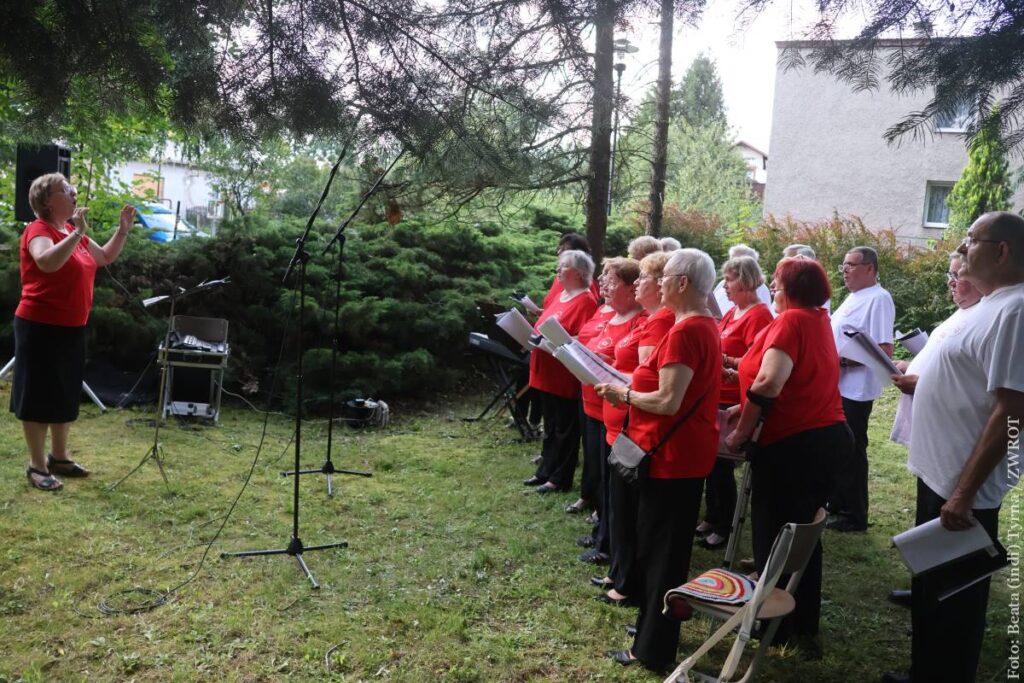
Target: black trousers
(601, 531)
(790, 481)
(623, 502)
(850, 489)
(666, 517)
(947, 635)
(720, 497)
(560, 450)
(593, 440)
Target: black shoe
(595, 556)
(602, 582)
(623, 602)
(623, 657)
(585, 541)
(844, 524)
(900, 597)
(631, 630)
(892, 677)
(534, 481)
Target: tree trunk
(601, 128)
(661, 113)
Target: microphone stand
(154, 450)
(328, 467)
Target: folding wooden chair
(768, 605)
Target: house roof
(744, 143)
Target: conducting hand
(127, 219)
(78, 219)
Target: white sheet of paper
(931, 545)
(513, 322)
(578, 368)
(913, 341)
(598, 365)
(713, 306)
(554, 332)
(527, 303)
(860, 347)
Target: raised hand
(78, 219)
(127, 219)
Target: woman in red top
(790, 379)
(622, 498)
(738, 327)
(558, 389)
(681, 378)
(617, 280)
(58, 265)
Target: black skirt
(49, 364)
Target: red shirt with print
(810, 398)
(691, 450)
(737, 336)
(627, 357)
(604, 345)
(63, 297)
(547, 373)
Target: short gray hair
(696, 265)
(746, 269)
(581, 262)
(743, 250)
(670, 244)
(799, 250)
(867, 255)
(642, 246)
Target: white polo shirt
(872, 310)
(955, 395)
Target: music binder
(952, 560)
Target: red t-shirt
(63, 297)
(627, 357)
(547, 373)
(691, 450)
(737, 336)
(556, 289)
(604, 345)
(810, 398)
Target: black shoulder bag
(631, 461)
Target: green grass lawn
(454, 571)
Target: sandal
(575, 508)
(47, 483)
(65, 468)
(713, 541)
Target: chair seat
(779, 603)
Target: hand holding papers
(956, 559)
(526, 302)
(860, 347)
(583, 363)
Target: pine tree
(984, 184)
(698, 100)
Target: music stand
(154, 450)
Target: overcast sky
(744, 56)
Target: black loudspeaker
(33, 162)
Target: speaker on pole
(34, 161)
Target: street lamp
(622, 47)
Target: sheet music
(604, 370)
(931, 545)
(527, 303)
(913, 341)
(579, 361)
(513, 322)
(860, 347)
(554, 332)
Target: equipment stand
(5, 370)
(295, 547)
(328, 467)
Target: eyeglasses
(847, 267)
(952, 277)
(69, 190)
(969, 240)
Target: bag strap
(682, 418)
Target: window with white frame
(936, 213)
(953, 120)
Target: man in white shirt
(724, 303)
(965, 449)
(868, 308)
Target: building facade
(829, 155)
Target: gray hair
(581, 262)
(696, 265)
(746, 269)
(642, 246)
(670, 244)
(799, 250)
(743, 250)
(867, 255)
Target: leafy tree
(698, 100)
(984, 184)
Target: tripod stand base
(328, 469)
(153, 452)
(295, 549)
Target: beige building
(829, 155)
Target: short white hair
(696, 265)
(581, 262)
(743, 250)
(670, 244)
(799, 250)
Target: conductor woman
(58, 266)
